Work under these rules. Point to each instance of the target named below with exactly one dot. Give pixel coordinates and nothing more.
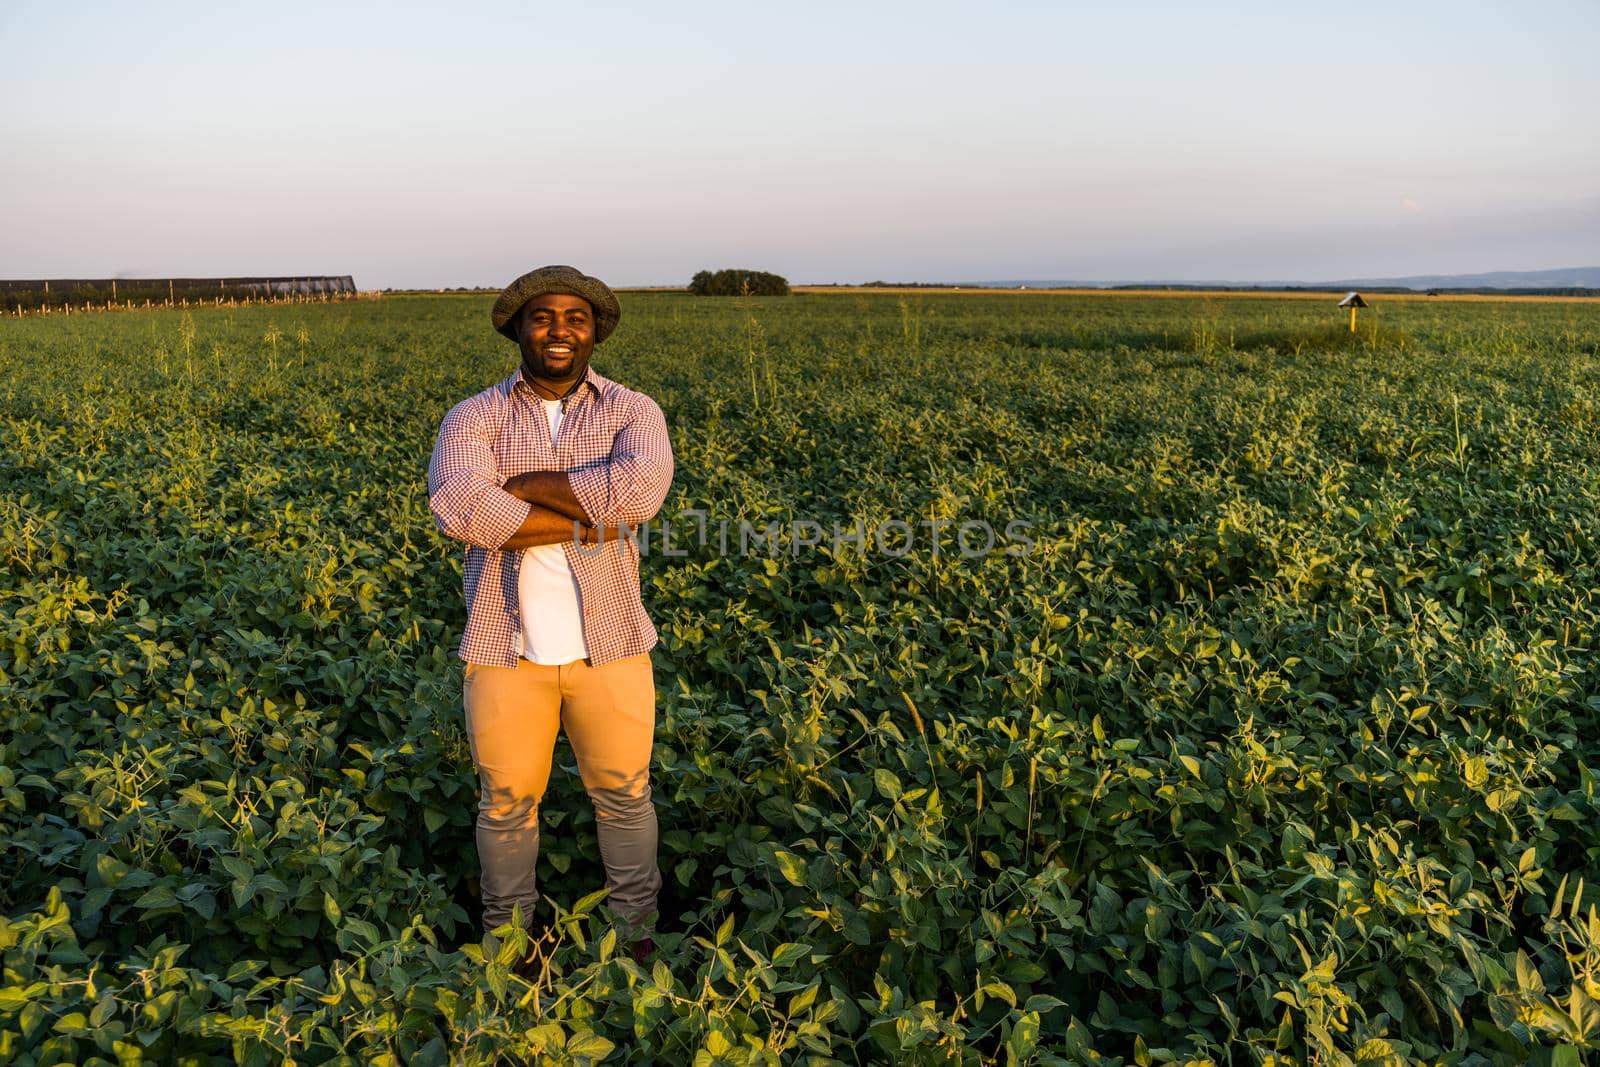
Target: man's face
(556, 333)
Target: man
(531, 473)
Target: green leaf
(1528, 979)
(789, 952)
(156, 899)
(1002, 991)
(804, 999)
(237, 868)
(1024, 1038)
(792, 867)
(588, 903)
(1377, 1051)
(110, 869)
(589, 1046)
(1476, 772)
(103, 1011)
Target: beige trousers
(608, 713)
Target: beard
(555, 372)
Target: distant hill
(1564, 278)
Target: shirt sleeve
(464, 491)
(631, 484)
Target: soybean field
(1265, 731)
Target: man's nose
(559, 329)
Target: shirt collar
(591, 380)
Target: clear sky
(460, 144)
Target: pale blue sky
(420, 145)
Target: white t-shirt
(547, 593)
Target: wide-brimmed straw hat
(557, 279)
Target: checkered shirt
(613, 445)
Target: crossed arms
(471, 504)
(554, 513)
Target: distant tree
(734, 282)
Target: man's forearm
(546, 527)
(550, 490)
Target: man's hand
(551, 490)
